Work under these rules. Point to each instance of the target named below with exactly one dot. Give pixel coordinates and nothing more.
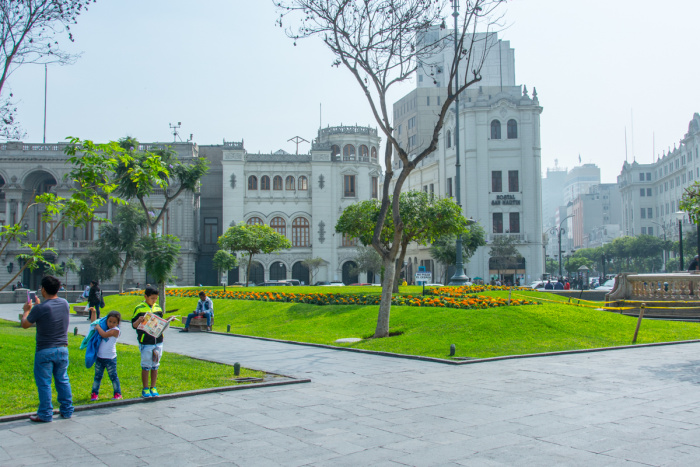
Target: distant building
(651, 192)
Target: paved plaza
(620, 407)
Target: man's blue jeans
(48, 363)
(207, 315)
(111, 366)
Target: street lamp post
(558, 231)
(664, 229)
(459, 278)
(680, 241)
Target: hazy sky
(224, 70)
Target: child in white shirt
(107, 355)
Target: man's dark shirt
(52, 319)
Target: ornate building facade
(299, 195)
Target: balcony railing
(656, 287)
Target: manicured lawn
(428, 331)
(178, 373)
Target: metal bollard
(228, 328)
(75, 331)
(453, 350)
(236, 369)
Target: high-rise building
(500, 175)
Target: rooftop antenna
(632, 134)
(297, 139)
(176, 135)
(625, 144)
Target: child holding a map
(149, 324)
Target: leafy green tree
(425, 218)
(551, 266)
(126, 173)
(382, 43)
(224, 261)
(160, 257)
(87, 194)
(313, 264)
(444, 249)
(138, 176)
(122, 237)
(572, 264)
(99, 264)
(367, 259)
(504, 254)
(252, 240)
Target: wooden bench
(199, 324)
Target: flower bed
(448, 297)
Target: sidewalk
(623, 407)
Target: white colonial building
(499, 139)
(301, 196)
(28, 169)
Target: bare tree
(382, 43)
(29, 31)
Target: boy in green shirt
(151, 347)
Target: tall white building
(500, 149)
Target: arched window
(289, 183)
(449, 139)
(495, 129)
(349, 152)
(335, 150)
(303, 183)
(300, 232)
(374, 153)
(279, 225)
(254, 221)
(512, 129)
(264, 182)
(277, 183)
(364, 152)
(252, 182)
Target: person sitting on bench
(205, 308)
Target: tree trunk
(122, 275)
(385, 304)
(247, 271)
(399, 266)
(161, 295)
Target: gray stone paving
(624, 407)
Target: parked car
(538, 285)
(291, 282)
(273, 283)
(607, 285)
(434, 285)
(322, 283)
